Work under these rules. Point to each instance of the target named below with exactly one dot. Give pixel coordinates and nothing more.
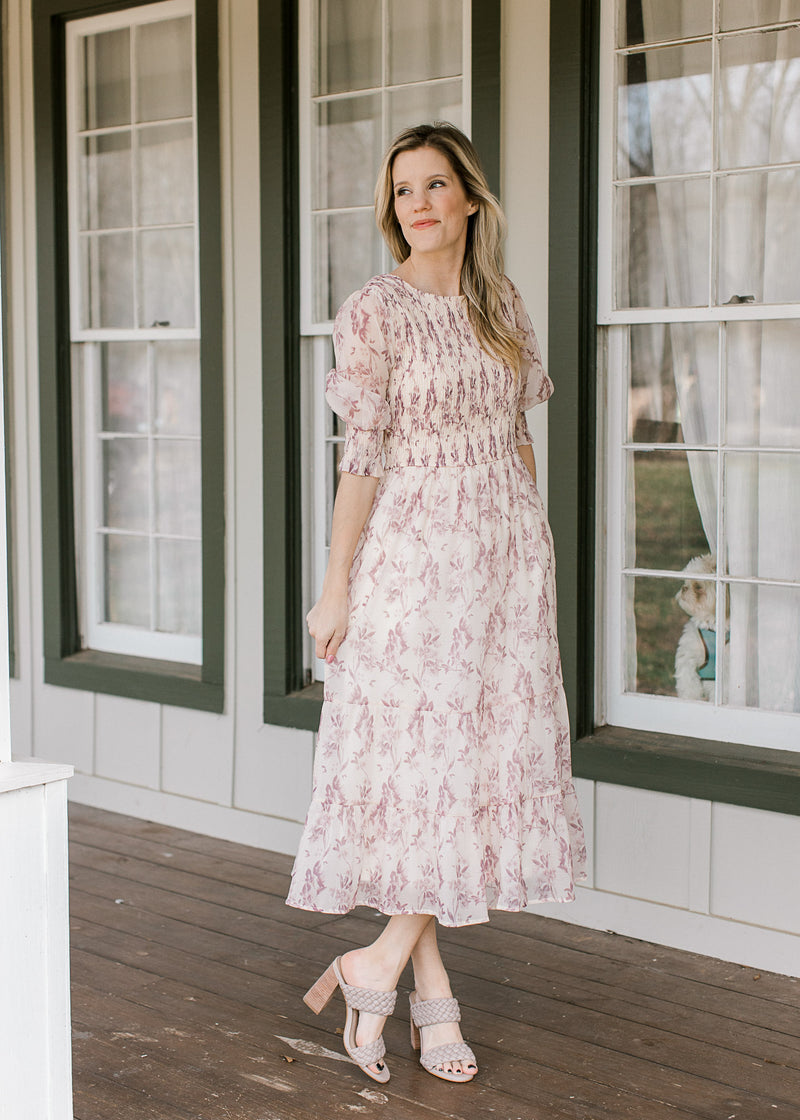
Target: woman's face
(430, 202)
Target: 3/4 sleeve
(356, 388)
(535, 385)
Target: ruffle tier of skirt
(485, 818)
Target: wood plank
(673, 962)
(612, 1072)
(252, 1051)
(567, 1023)
(662, 1016)
(254, 1035)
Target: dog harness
(708, 670)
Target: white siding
(128, 741)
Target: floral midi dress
(442, 780)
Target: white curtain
(760, 90)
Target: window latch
(740, 299)
(160, 323)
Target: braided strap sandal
(427, 1012)
(356, 1001)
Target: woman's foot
(443, 1034)
(362, 969)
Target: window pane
(420, 104)
(759, 237)
(763, 395)
(348, 138)
(164, 69)
(106, 79)
(759, 95)
(107, 280)
(178, 487)
(667, 491)
(105, 184)
(165, 174)
(348, 252)
(424, 39)
(167, 277)
(126, 484)
(123, 374)
(762, 531)
(653, 21)
(349, 54)
(664, 108)
(752, 13)
(179, 587)
(655, 224)
(654, 624)
(126, 562)
(763, 663)
(674, 383)
(177, 388)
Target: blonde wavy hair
(482, 270)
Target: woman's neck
(435, 275)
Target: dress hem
(563, 899)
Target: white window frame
(614, 705)
(96, 633)
(315, 364)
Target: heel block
(319, 995)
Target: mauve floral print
(442, 780)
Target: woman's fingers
(333, 645)
(327, 638)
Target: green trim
(138, 678)
(723, 772)
(486, 83)
(65, 663)
(280, 360)
(288, 699)
(572, 338)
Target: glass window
(367, 71)
(135, 329)
(700, 301)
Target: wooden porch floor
(188, 972)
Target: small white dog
(695, 657)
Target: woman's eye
(437, 183)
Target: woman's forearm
(354, 497)
(327, 619)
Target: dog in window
(696, 655)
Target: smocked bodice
(417, 389)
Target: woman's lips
(423, 223)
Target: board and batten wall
(707, 877)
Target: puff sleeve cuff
(356, 389)
(535, 385)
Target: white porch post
(35, 1040)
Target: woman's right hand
(327, 623)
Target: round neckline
(419, 291)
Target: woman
(442, 783)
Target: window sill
(727, 772)
(137, 678)
(299, 709)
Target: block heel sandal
(426, 1012)
(356, 1000)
